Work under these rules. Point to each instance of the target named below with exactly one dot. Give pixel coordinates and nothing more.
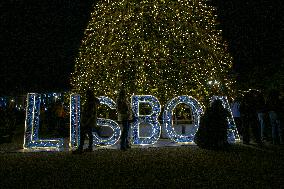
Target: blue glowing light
(31, 139)
(151, 119)
(168, 119)
(233, 135)
(99, 141)
(75, 101)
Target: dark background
(39, 41)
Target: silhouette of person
(274, 112)
(249, 118)
(88, 120)
(261, 111)
(124, 116)
(212, 133)
(235, 108)
(59, 116)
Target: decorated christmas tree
(164, 48)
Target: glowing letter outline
(196, 109)
(31, 139)
(233, 135)
(75, 101)
(107, 123)
(150, 119)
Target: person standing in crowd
(60, 117)
(235, 107)
(249, 118)
(274, 110)
(88, 121)
(212, 133)
(261, 110)
(124, 116)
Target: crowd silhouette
(261, 118)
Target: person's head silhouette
(122, 93)
(90, 97)
(217, 105)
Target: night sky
(40, 39)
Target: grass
(240, 166)
(182, 167)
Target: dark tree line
(254, 30)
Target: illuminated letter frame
(196, 109)
(107, 123)
(31, 139)
(233, 135)
(75, 101)
(150, 119)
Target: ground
(241, 166)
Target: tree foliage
(164, 48)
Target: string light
(75, 102)
(164, 48)
(99, 141)
(31, 139)
(151, 119)
(196, 109)
(233, 135)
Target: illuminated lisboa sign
(32, 140)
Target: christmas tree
(164, 48)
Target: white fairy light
(168, 120)
(151, 119)
(75, 101)
(107, 123)
(31, 139)
(233, 135)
